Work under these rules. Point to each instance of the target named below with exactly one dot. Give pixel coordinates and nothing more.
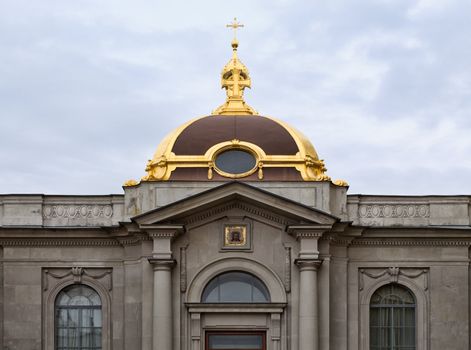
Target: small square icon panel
(236, 237)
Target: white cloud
(89, 88)
(429, 7)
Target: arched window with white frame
(393, 318)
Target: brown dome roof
(277, 151)
(235, 143)
(206, 132)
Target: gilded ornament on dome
(250, 161)
(156, 169)
(235, 78)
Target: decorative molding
(342, 234)
(389, 241)
(308, 231)
(183, 272)
(52, 242)
(276, 330)
(287, 279)
(308, 264)
(77, 211)
(239, 308)
(134, 239)
(162, 234)
(393, 210)
(337, 240)
(270, 278)
(308, 235)
(162, 231)
(393, 274)
(162, 264)
(236, 205)
(77, 274)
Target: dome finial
(235, 25)
(235, 78)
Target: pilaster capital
(162, 236)
(162, 264)
(308, 237)
(308, 264)
(163, 231)
(308, 231)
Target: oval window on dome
(235, 161)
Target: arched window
(235, 287)
(78, 319)
(392, 319)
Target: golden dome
(279, 151)
(235, 142)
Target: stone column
(162, 262)
(308, 304)
(308, 262)
(162, 324)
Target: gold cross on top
(235, 25)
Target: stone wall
(363, 210)
(421, 242)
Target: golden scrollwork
(341, 183)
(314, 169)
(130, 183)
(156, 169)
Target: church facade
(236, 238)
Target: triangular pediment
(235, 195)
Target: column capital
(162, 236)
(308, 237)
(308, 231)
(162, 264)
(163, 231)
(308, 264)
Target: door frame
(232, 332)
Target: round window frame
(236, 148)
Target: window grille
(78, 319)
(392, 319)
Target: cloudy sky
(381, 87)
